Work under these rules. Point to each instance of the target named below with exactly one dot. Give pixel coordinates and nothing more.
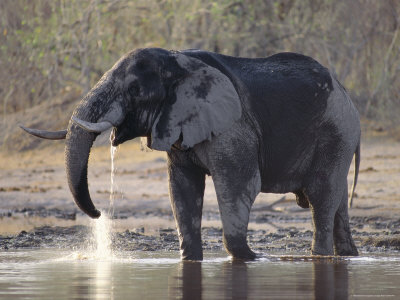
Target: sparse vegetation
(52, 48)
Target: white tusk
(92, 127)
(50, 135)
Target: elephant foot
(192, 255)
(321, 251)
(346, 249)
(315, 253)
(243, 255)
(239, 249)
(192, 258)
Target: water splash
(100, 246)
(102, 227)
(102, 241)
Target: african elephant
(275, 125)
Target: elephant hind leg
(324, 197)
(328, 200)
(344, 244)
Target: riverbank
(37, 210)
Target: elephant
(280, 124)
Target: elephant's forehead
(128, 60)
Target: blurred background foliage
(50, 48)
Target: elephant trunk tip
(94, 214)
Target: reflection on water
(185, 282)
(104, 280)
(331, 280)
(50, 274)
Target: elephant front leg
(186, 189)
(235, 198)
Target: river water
(60, 274)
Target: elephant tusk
(50, 135)
(92, 127)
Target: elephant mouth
(115, 138)
(119, 135)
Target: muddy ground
(37, 210)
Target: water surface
(58, 274)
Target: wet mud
(371, 234)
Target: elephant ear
(206, 105)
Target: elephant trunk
(98, 105)
(77, 150)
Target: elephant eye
(134, 89)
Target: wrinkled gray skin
(275, 125)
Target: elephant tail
(356, 170)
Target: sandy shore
(37, 210)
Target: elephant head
(167, 96)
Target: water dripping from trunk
(102, 227)
(113, 187)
